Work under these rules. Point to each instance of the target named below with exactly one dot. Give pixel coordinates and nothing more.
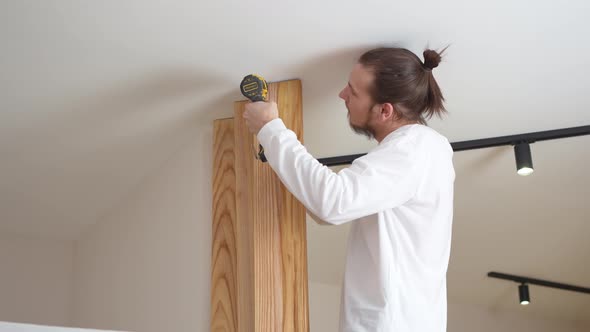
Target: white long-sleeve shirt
(400, 199)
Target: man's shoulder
(424, 135)
(417, 135)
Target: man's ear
(388, 111)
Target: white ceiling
(95, 96)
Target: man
(399, 197)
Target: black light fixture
(524, 161)
(483, 143)
(523, 288)
(523, 294)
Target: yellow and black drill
(254, 87)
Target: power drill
(254, 87)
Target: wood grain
(271, 237)
(224, 313)
(288, 96)
(245, 228)
(259, 258)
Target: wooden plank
(271, 237)
(245, 227)
(292, 220)
(224, 313)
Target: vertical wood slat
(244, 187)
(274, 222)
(288, 96)
(259, 258)
(224, 311)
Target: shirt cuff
(269, 130)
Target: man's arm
(385, 178)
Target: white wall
(324, 307)
(468, 318)
(324, 312)
(146, 266)
(35, 280)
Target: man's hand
(260, 113)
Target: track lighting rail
(540, 282)
(485, 142)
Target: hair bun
(431, 59)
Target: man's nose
(342, 94)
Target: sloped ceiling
(95, 96)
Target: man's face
(358, 101)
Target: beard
(366, 129)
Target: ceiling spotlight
(523, 294)
(524, 161)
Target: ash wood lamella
(259, 258)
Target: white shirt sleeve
(383, 179)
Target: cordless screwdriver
(254, 87)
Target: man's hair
(403, 80)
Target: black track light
(485, 143)
(523, 288)
(523, 294)
(524, 161)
